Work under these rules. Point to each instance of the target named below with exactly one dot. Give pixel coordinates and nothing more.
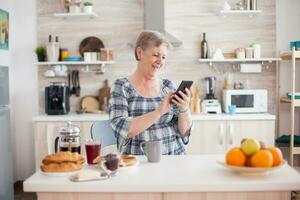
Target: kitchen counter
(180, 175)
(204, 117)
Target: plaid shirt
(125, 103)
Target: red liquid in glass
(92, 151)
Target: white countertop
(99, 117)
(192, 173)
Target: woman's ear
(138, 53)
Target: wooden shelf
(250, 13)
(75, 15)
(288, 100)
(288, 55)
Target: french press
(69, 139)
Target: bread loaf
(60, 167)
(62, 162)
(64, 156)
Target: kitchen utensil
(210, 104)
(90, 44)
(210, 87)
(73, 77)
(90, 103)
(104, 94)
(77, 84)
(69, 139)
(69, 81)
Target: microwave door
(244, 102)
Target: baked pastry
(62, 162)
(125, 160)
(64, 156)
(128, 160)
(61, 167)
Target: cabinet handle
(221, 136)
(230, 134)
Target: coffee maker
(57, 99)
(68, 139)
(210, 104)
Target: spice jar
(64, 53)
(106, 54)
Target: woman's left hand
(182, 102)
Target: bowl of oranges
(252, 157)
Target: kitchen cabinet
(46, 132)
(211, 134)
(216, 137)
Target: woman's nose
(159, 60)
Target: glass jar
(106, 54)
(64, 53)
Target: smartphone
(184, 84)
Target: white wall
(24, 97)
(287, 29)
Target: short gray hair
(149, 38)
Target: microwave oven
(246, 101)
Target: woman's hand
(165, 105)
(183, 102)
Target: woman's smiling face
(153, 58)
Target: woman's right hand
(166, 104)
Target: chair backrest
(102, 131)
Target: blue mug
(232, 109)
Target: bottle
(204, 47)
(52, 49)
(50, 38)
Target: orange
(235, 156)
(262, 158)
(277, 155)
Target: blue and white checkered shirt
(125, 103)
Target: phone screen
(184, 84)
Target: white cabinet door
(263, 130)
(217, 137)
(208, 137)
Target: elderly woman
(144, 107)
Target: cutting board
(90, 104)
